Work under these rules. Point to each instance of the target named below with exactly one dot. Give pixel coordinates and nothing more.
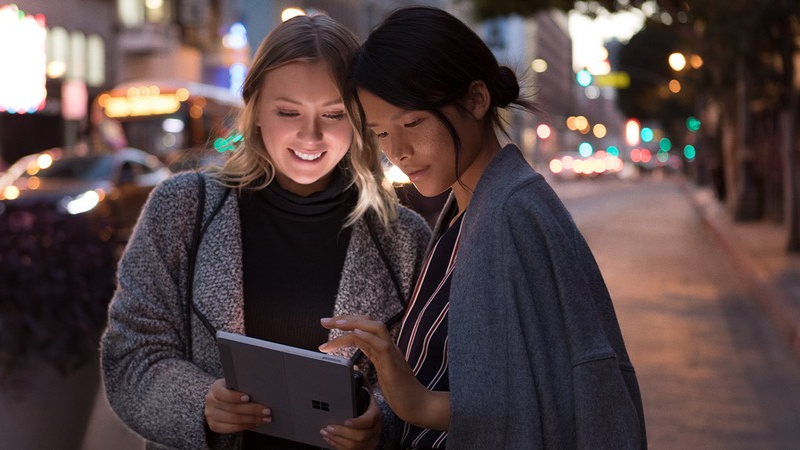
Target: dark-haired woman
(511, 340)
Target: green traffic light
(647, 134)
(689, 152)
(693, 124)
(583, 77)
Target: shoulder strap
(199, 231)
(395, 281)
(198, 220)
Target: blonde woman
(311, 229)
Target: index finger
(350, 323)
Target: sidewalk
(758, 250)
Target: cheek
(342, 133)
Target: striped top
(423, 336)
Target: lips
(414, 174)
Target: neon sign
(23, 61)
(142, 101)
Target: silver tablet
(305, 390)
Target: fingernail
(323, 433)
(322, 347)
(348, 423)
(245, 398)
(266, 412)
(341, 322)
(326, 320)
(329, 428)
(357, 331)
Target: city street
(713, 372)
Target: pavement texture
(758, 250)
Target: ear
(478, 99)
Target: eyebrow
(335, 101)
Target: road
(713, 372)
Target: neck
(465, 185)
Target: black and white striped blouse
(423, 336)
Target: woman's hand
(408, 398)
(229, 411)
(362, 432)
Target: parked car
(109, 187)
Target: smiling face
(304, 125)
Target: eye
(335, 116)
(285, 113)
(381, 135)
(413, 123)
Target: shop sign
(23, 61)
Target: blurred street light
(288, 13)
(677, 61)
(539, 65)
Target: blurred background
(648, 107)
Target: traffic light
(585, 149)
(583, 77)
(693, 124)
(647, 134)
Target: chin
(428, 192)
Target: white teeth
(306, 156)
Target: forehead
(301, 79)
(379, 112)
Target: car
(108, 187)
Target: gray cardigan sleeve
(148, 380)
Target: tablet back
(305, 390)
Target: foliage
(485, 9)
(645, 59)
(57, 274)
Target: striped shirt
(423, 336)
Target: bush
(57, 276)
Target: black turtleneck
(294, 251)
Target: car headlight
(82, 203)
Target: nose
(310, 130)
(397, 149)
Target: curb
(776, 302)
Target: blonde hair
(316, 38)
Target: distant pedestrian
(311, 229)
(511, 340)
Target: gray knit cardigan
(152, 385)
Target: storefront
(50, 66)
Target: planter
(51, 410)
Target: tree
(747, 84)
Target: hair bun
(507, 87)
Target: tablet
(305, 390)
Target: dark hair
(423, 58)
